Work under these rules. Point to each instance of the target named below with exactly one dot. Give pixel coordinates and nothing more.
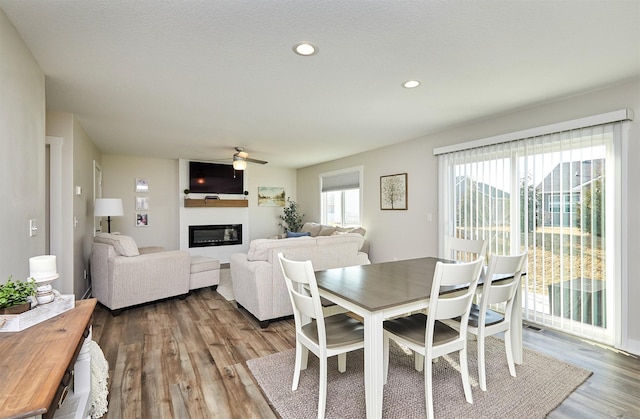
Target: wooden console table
(36, 364)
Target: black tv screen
(215, 178)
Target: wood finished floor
(187, 359)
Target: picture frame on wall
(142, 203)
(269, 196)
(393, 192)
(142, 219)
(142, 185)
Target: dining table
(380, 291)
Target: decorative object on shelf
(142, 219)
(15, 296)
(291, 217)
(186, 193)
(142, 185)
(215, 203)
(393, 192)
(142, 203)
(43, 270)
(271, 196)
(108, 207)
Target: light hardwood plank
(187, 359)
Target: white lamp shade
(108, 207)
(239, 163)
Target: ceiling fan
(241, 157)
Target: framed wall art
(393, 192)
(269, 196)
(142, 185)
(142, 203)
(142, 219)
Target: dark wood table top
(33, 361)
(381, 285)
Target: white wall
(22, 153)
(76, 226)
(118, 181)
(406, 234)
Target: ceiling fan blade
(256, 161)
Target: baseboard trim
(633, 346)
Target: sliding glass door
(552, 196)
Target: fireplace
(215, 235)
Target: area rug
(542, 383)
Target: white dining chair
(464, 250)
(485, 322)
(427, 336)
(324, 336)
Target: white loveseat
(124, 275)
(258, 284)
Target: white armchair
(124, 275)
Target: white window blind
(553, 194)
(341, 181)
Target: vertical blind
(553, 195)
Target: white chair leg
(305, 358)
(418, 361)
(342, 362)
(428, 388)
(322, 397)
(297, 367)
(509, 350)
(482, 368)
(385, 357)
(464, 370)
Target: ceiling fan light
(239, 164)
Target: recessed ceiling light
(411, 84)
(305, 48)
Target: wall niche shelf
(215, 203)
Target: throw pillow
(298, 234)
(124, 245)
(326, 231)
(313, 228)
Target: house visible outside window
(552, 195)
(340, 197)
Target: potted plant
(291, 217)
(186, 193)
(14, 296)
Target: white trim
(589, 121)
(633, 347)
(623, 321)
(360, 170)
(55, 195)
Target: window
(340, 197)
(553, 195)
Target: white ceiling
(192, 79)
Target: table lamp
(108, 207)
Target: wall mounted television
(215, 178)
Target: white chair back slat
(464, 250)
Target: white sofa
(124, 275)
(258, 284)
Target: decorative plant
(16, 292)
(186, 193)
(291, 217)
